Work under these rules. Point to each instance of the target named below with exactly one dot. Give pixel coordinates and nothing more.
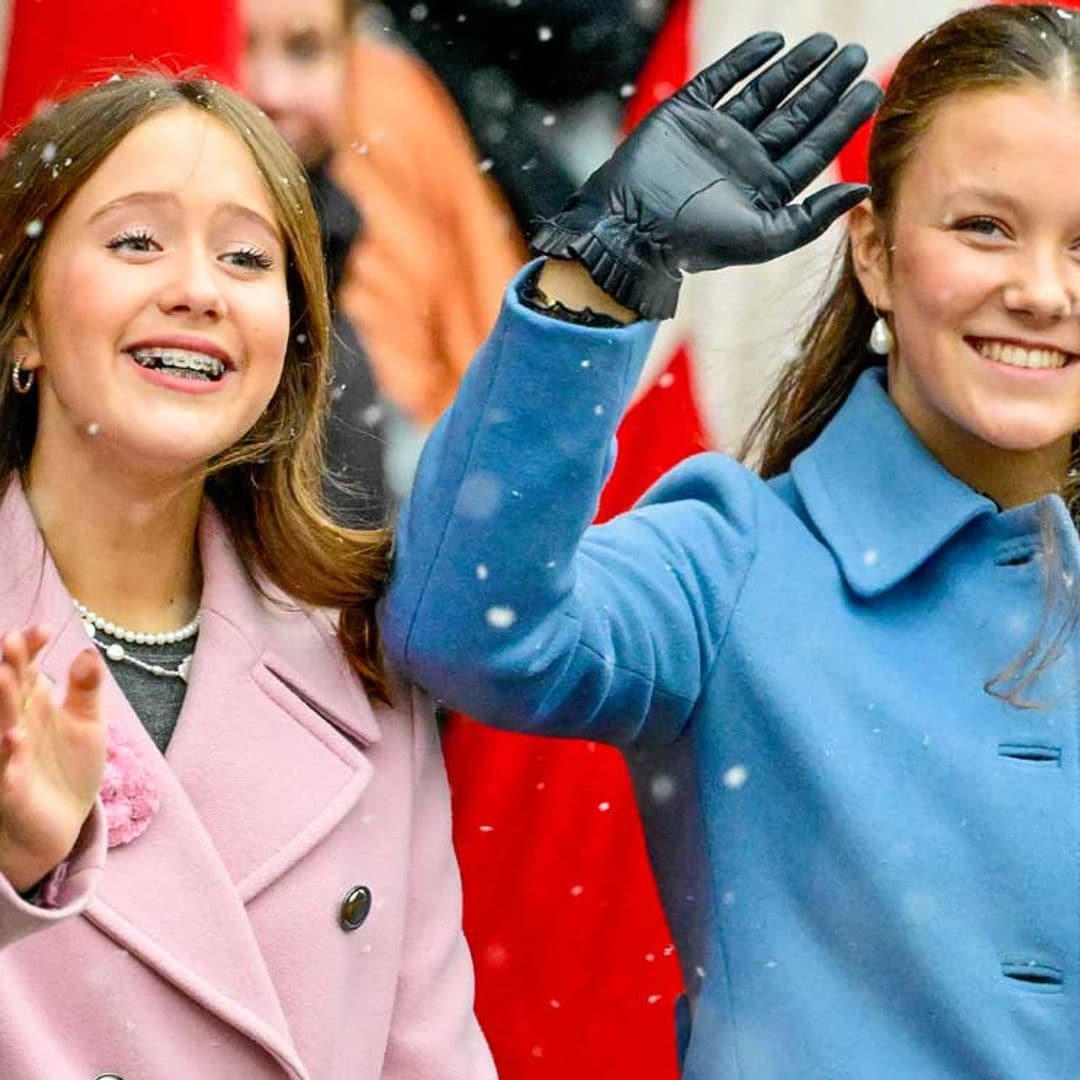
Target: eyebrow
(168, 197)
(984, 193)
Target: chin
(171, 458)
(1021, 438)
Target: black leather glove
(699, 187)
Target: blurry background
(436, 135)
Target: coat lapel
(254, 778)
(260, 747)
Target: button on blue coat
(868, 860)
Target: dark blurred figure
(542, 85)
(293, 68)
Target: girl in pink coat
(224, 828)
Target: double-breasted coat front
(214, 944)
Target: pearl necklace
(115, 651)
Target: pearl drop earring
(881, 337)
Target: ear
(25, 344)
(870, 254)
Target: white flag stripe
(744, 322)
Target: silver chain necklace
(114, 650)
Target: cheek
(939, 283)
(269, 333)
(77, 303)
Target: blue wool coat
(869, 862)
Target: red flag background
(55, 46)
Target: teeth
(199, 364)
(1016, 356)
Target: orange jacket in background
(439, 245)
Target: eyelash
(140, 236)
(969, 225)
(255, 257)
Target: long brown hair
(982, 48)
(268, 486)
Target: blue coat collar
(880, 499)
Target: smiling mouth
(1013, 355)
(182, 363)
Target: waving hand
(705, 183)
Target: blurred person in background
(542, 86)
(293, 66)
(424, 283)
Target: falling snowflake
(662, 788)
(735, 777)
(481, 572)
(93, 428)
(48, 153)
(544, 33)
(501, 618)
(627, 90)
(33, 228)
(479, 495)
(496, 955)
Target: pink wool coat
(210, 945)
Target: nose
(1045, 286)
(194, 289)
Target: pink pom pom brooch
(128, 791)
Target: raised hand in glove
(700, 185)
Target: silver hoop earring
(881, 337)
(23, 381)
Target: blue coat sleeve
(505, 603)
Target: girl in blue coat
(846, 682)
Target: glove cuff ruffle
(637, 283)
